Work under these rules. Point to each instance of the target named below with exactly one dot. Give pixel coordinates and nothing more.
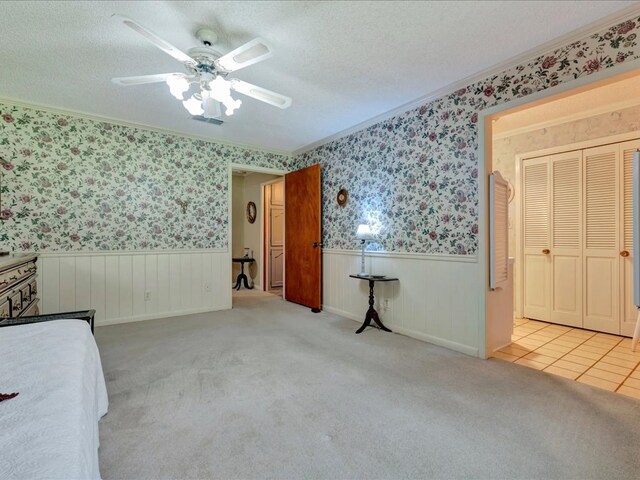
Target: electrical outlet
(147, 296)
(207, 287)
(386, 303)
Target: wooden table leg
(242, 278)
(636, 334)
(371, 313)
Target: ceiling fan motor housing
(207, 36)
(205, 58)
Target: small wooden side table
(242, 277)
(371, 313)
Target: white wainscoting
(435, 300)
(115, 283)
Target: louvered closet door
(536, 238)
(627, 308)
(601, 227)
(566, 242)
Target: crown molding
(498, 68)
(116, 121)
(592, 112)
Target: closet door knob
(624, 253)
(546, 251)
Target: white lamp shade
(194, 106)
(364, 232)
(178, 85)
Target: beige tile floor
(598, 359)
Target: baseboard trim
(441, 342)
(154, 316)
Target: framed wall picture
(342, 197)
(251, 212)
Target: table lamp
(363, 234)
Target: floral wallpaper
(74, 184)
(71, 184)
(414, 177)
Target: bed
(50, 429)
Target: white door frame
(485, 117)
(254, 169)
(266, 272)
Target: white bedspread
(50, 430)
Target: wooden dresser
(18, 286)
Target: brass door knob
(624, 253)
(546, 251)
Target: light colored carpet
(243, 292)
(271, 390)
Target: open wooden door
(303, 237)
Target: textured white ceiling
(341, 62)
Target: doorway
(569, 165)
(558, 155)
(273, 237)
(247, 232)
(302, 272)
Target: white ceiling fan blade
(252, 52)
(156, 40)
(259, 93)
(143, 79)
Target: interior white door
(276, 226)
(628, 308)
(536, 241)
(277, 267)
(276, 239)
(566, 242)
(277, 194)
(601, 246)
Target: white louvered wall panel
(114, 284)
(436, 299)
(536, 205)
(601, 255)
(565, 280)
(600, 204)
(499, 230)
(535, 215)
(566, 202)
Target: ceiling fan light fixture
(221, 91)
(178, 85)
(208, 69)
(193, 106)
(232, 106)
(210, 106)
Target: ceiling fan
(207, 69)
